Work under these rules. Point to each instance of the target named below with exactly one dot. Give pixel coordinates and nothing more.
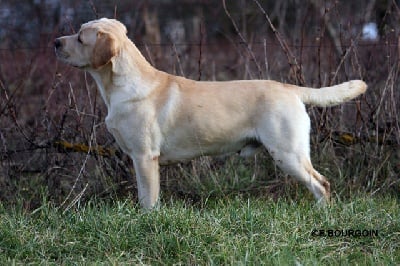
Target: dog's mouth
(64, 57)
(61, 54)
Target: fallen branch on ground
(81, 147)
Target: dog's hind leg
(286, 137)
(298, 165)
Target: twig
(285, 47)
(178, 59)
(78, 178)
(329, 26)
(266, 59)
(94, 9)
(146, 47)
(243, 40)
(76, 199)
(200, 51)
(13, 115)
(7, 98)
(348, 50)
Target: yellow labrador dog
(157, 118)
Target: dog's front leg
(148, 180)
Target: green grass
(234, 231)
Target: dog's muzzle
(58, 45)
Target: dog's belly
(179, 153)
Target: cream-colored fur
(157, 118)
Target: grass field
(233, 230)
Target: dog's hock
(104, 50)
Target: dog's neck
(127, 77)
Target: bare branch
(294, 66)
(253, 57)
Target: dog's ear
(104, 50)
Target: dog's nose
(57, 43)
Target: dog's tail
(328, 96)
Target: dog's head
(94, 46)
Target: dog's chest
(120, 124)
(132, 126)
(114, 128)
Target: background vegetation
(54, 144)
